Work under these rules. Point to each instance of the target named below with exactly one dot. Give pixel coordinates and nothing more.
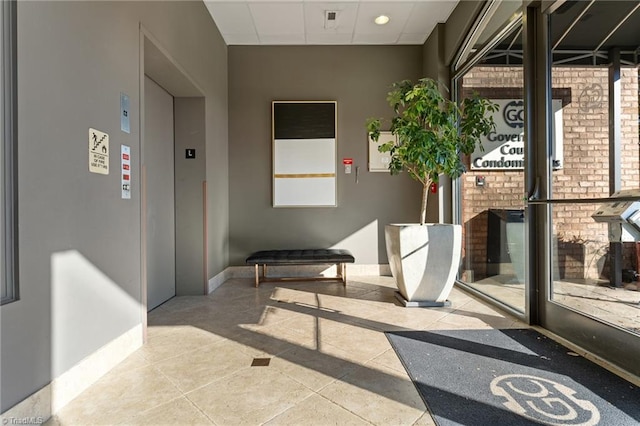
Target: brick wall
(582, 244)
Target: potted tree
(432, 135)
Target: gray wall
(358, 78)
(79, 242)
(434, 63)
(457, 27)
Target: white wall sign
(379, 161)
(125, 169)
(504, 148)
(98, 152)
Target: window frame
(8, 152)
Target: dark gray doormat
(511, 377)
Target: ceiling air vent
(330, 19)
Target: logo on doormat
(544, 400)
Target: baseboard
(38, 407)
(217, 281)
(382, 270)
(74, 381)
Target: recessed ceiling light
(381, 20)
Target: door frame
(602, 339)
(156, 62)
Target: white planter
(424, 260)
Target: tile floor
(329, 360)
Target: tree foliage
(432, 132)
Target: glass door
(591, 185)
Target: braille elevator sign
(98, 152)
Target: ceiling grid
(302, 22)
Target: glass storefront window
(491, 203)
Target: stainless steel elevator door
(158, 163)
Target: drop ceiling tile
(232, 18)
(398, 14)
(412, 38)
(278, 18)
(329, 38)
(383, 38)
(314, 17)
(302, 21)
(282, 39)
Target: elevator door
(158, 165)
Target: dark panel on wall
(296, 120)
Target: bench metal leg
(343, 272)
(257, 276)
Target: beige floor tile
(350, 310)
(180, 411)
(476, 314)
(317, 411)
(315, 325)
(180, 303)
(314, 368)
(388, 359)
(250, 299)
(320, 337)
(301, 336)
(195, 369)
(154, 331)
(270, 341)
(351, 291)
(361, 343)
(277, 312)
(292, 295)
(249, 397)
(381, 396)
(425, 420)
(401, 318)
(463, 323)
(117, 398)
(230, 320)
(381, 297)
(134, 361)
(177, 342)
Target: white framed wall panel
(379, 161)
(304, 150)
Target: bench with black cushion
(338, 257)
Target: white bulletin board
(379, 161)
(304, 153)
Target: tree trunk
(425, 195)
